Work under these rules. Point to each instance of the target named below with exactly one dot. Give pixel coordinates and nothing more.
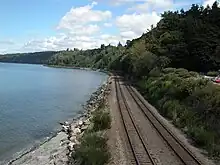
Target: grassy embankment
(191, 102)
(93, 149)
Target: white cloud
(134, 25)
(86, 27)
(78, 17)
(144, 2)
(208, 2)
(119, 2)
(80, 29)
(107, 24)
(111, 39)
(63, 42)
(128, 34)
(153, 5)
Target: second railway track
(141, 155)
(186, 157)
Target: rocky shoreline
(58, 149)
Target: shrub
(193, 74)
(144, 64)
(93, 150)
(181, 70)
(172, 109)
(182, 73)
(168, 70)
(212, 73)
(101, 104)
(101, 120)
(205, 138)
(155, 72)
(201, 136)
(206, 102)
(192, 103)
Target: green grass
(101, 120)
(93, 150)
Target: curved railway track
(138, 148)
(141, 155)
(175, 144)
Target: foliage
(30, 58)
(101, 58)
(212, 73)
(101, 120)
(93, 150)
(191, 102)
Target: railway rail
(138, 148)
(141, 156)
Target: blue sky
(38, 25)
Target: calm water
(33, 99)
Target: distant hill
(29, 58)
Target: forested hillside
(30, 58)
(94, 58)
(182, 39)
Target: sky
(41, 25)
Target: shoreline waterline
(78, 68)
(57, 135)
(34, 99)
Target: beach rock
(85, 115)
(71, 146)
(86, 122)
(72, 138)
(65, 128)
(80, 123)
(64, 143)
(76, 131)
(61, 123)
(77, 142)
(84, 127)
(64, 123)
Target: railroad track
(138, 149)
(172, 141)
